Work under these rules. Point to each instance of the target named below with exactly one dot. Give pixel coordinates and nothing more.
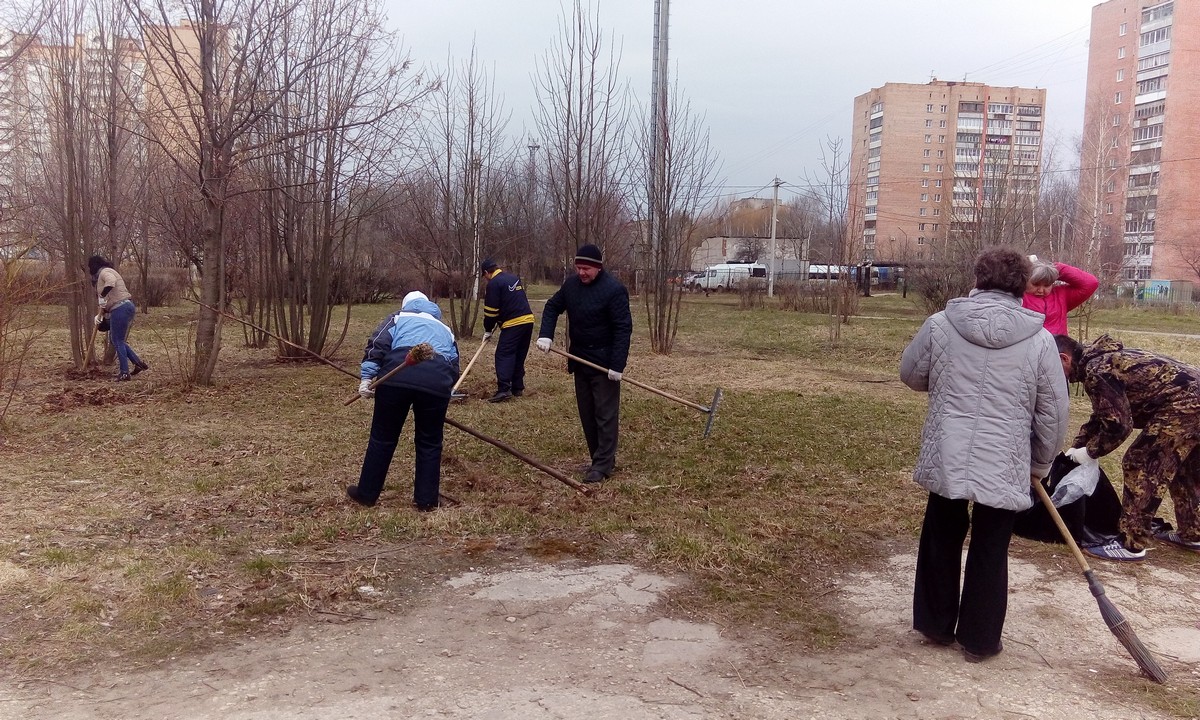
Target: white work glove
(1080, 456)
(102, 302)
(487, 336)
(1077, 483)
(98, 319)
(543, 344)
(365, 391)
(1033, 258)
(614, 376)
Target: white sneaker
(1172, 536)
(1114, 550)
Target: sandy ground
(565, 640)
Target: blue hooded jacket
(419, 321)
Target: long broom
(1112, 616)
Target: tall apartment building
(930, 160)
(1140, 164)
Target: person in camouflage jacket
(1131, 388)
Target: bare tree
(213, 79)
(582, 110)
(687, 172)
(459, 188)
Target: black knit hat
(488, 265)
(589, 255)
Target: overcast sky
(775, 77)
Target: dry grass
(145, 519)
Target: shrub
(164, 286)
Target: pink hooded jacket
(1075, 288)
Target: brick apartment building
(940, 158)
(1140, 163)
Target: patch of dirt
(565, 639)
(76, 396)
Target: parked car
(727, 276)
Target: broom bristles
(1124, 633)
(418, 353)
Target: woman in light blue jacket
(998, 413)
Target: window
(1141, 112)
(1121, 53)
(941, 153)
(1151, 85)
(943, 108)
(939, 168)
(937, 183)
(921, 212)
(929, 108)
(1154, 61)
(1155, 36)
(937, 197)
(920, 239)
(942, 123)
(925, 167)
(924, 197)
(1124, 29)
(1117, 98)
(1030, 110)
(937, 211)
(1000, 108)
(1108, 208)
(1120, 74)
(876, 123)
(1114, 143)
(877, 108)
(921, 227)
(925, 153)
(1116, 120)
(1158, 13)
(1111, 186)
(1147, 132)
(924, 182)
(941, 138)
(928, 138)
(970, 107)
(935, 227)
(928, 123)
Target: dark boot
(500, 396)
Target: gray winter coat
(998, 402)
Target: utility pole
(774, 223)
(656, 202)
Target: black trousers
(976, 617)
(511, 349)
(599, 403)
(391, 409)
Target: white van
(728, 276)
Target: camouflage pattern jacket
(1132, 388)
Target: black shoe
(518, 393)
(353, 493)
(593, 476)
(139, 367)
(938, 639)
(500, 396)
(122, 377)
(426, 508)
(973, 657)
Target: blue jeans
(120, 319)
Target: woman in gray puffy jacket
(998, 413)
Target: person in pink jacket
(1056, 289)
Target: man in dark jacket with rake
(600, 328)
(506, 307)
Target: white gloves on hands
(614, 376)
(102, 302)
(487, 336)
(365, 391)
(1080, 456)
(1033, 258)
(1077, 483)
(98, 319)
(543, 344)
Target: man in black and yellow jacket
(506, 307)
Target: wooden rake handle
(656, 391)
(1062, 526)
(468, 369)
(379, 380)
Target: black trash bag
(103, 326)
(1092, 520)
